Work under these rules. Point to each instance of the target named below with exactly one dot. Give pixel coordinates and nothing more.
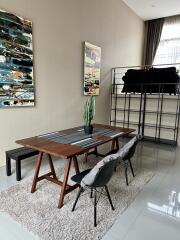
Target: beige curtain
(153, 30)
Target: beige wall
(60, 27)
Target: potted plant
(89, 113)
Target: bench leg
(8, 166)
(18, 170)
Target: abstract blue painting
(16, 61)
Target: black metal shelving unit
(123, 107)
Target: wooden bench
(18, 154)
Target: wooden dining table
(68, 144)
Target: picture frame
(92, 69)
(17, 87)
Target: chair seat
(78, 177)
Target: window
(168, 51)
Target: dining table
(69, 144)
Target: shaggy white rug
(39, 214)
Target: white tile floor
(155, 213)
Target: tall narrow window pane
(168, 51)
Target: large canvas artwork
(16, 61)
(92, 67)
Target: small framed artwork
(16, 61)
(92, 69)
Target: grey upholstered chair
(125, 154)
(94, 178)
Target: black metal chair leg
(96, 152)
(95, 210)
(18, 170)
(126, 175)
(8, 166)
(78, 195)
(91, 194)
(130, 164)
(109, 197)
(115, 167)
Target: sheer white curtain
(168, 51)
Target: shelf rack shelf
(147, 111)
(145, 124)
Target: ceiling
(151, 9)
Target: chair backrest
(105, 173)
(130, 149)
(101, 173)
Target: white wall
(59, 29)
